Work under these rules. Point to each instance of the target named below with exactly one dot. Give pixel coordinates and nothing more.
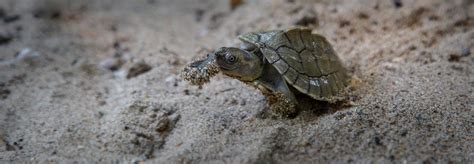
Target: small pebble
(138, 69)
(397, 3)
(171, 80)
(4, 93)
(27, 55)
(11, 18)
(99, 114)
(121, 73)
(344, 23)
(199, 13)
(2, 12)
(112, 64)
(465, 52)
(22, 53)
(454, 58)
(5, 39)
(363, 16)
(307, 17)
(306, 21)
(163, 124)
(234, 4)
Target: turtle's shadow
(319, 108)
(308, 105)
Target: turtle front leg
(282, 102)
(279, 96)
(286, 100)
(281, 105)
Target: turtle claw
(200, 71)
(280, 105)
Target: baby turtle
(281, 63)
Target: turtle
(282, 64)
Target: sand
(98, 81)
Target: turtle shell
(307, 61)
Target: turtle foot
(281, 106)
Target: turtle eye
(230, 58)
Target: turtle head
(238, 63)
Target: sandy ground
(98, 81)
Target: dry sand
(98, 81)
